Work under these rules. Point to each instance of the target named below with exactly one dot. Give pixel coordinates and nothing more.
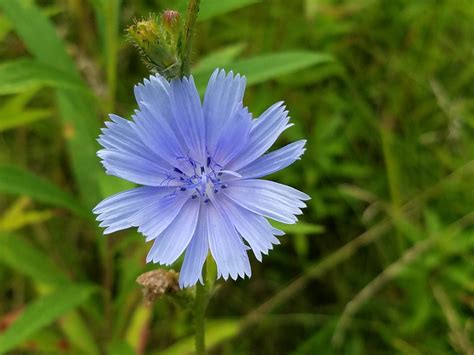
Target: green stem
(200, 305)
(393, 177)
(111, 19)
(191, 17)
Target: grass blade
(22, 257)
(217, 331)
(26, 74)
(43, 312)
(269, 66)
(17, 181)
(78, 110)
(213, 8)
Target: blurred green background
(382, 262)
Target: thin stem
(111, 18)
(200, 305)
(191, 17)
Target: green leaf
(218, 58)
(25, 74)
(77, 113)
(17, 181)
(217, 331)
(138, 322)
(107, 13)
(213, 8)
(120, 348)
(21, 256)
(299, 228)
(43, 312)
(79, 333)
(11, 222)
(265, 67)
(22, 118)
(34, 28)
(5, 27)
(78, 110)
(269, 66)
(14, 111)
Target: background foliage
(383, 260)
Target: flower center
(201, 180)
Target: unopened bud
(157, 41)
(145, 32)
(170, 20)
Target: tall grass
(382, 261)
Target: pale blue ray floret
(199, 166)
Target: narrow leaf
(78, 110)
(43, 312)
(25, 74)
(261, 68)
(79, 333)
(120, 347)
(217, 331)
(34, 28)
(299, 228)
(14, 111)
(138, 323)
(17, 181)
(21, 256)
(213, 8)
(12, 222)
(22, 118)
(218, 58)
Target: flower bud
(157, 41)
(171, 20)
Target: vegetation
(382, 260)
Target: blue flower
(199, 165)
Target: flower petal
(226, 246)
(223, 99)
(196, 253)
(154, 218)
(233, 138)
(172, 242)
(122, 145)
(274, 161)
(187, 110)
(155, 93)
(132, 167)
(115, 210)
(157, 134)
(265, 130)
(267, 198)
(156, 121)
(119, 135)
(255, 229)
